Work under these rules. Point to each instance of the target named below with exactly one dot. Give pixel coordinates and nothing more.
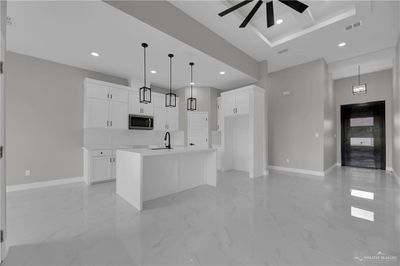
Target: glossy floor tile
(351, 217)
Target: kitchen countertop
(174, 150)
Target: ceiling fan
(294, 4)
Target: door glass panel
(362, 142)
(362, 122)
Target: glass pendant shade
(191, 101)
(170, 98)
(360, 88)
(191, 104)
(144, 92)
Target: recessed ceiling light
(153, 72)
(95, 54)
(279, 21)
(222, 73)
(342, 44)
(191, 83)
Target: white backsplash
(118, 138)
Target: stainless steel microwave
(143, 122)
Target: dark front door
(363, 135)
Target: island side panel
(210, 168)
(191, 170)
(129, 178)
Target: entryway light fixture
(170, 98)
(191, 102)
(144, 92)
(360, 88)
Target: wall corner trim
(34, 185)
(296, 170)
(330, 169)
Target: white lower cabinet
(99, 165)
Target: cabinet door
(120, 95)
(134, 105)
(219, 113)
(158, 99)
(96, 113)
(147, 109)
(160, 118)
(172, 118)
(97, 91)
(119, 115)
(102, 169)
(242, 102)
(229, 104)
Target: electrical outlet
(27, 172)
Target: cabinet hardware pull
(110, 160)
(110, 123)
(108, 96)
(111, 96)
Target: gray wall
(396, 111)
(379, 88)
(206, 102)
(294, 120)
(44, 118)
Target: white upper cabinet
(94, 90)
(160, 119)
(106, 105)
(117, 94)
(135, 107)
(242, 102)
(236, 102)
(96, 113)
(219, 113)
(118, 115)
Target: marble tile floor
(281, 219)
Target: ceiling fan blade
(270, 14)
(294, 4)
(233, 8)
(251, 14)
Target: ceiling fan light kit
(293, 4)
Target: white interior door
(198, 129)
(3, 234)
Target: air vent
(10, 21)
(353, 26)
(283, 51)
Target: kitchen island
(146, 174)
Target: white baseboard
(327, 171)
(56, 182)
(397, 177)
(296, 170)
(389, 169)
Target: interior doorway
(198, 129)
(363, 135)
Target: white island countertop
(172, 151)
(145, 174)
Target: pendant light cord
(359, 75)
(170, 74)
(191, 64)
(144, 68)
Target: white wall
(294, 120)
(379, 88)
(44, 118)
(396, 111)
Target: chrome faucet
(168, 145)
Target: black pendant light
(170, 98)
(360, 88)
(144, 92)
(191, 102)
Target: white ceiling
(309, 36)
(67, 32)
